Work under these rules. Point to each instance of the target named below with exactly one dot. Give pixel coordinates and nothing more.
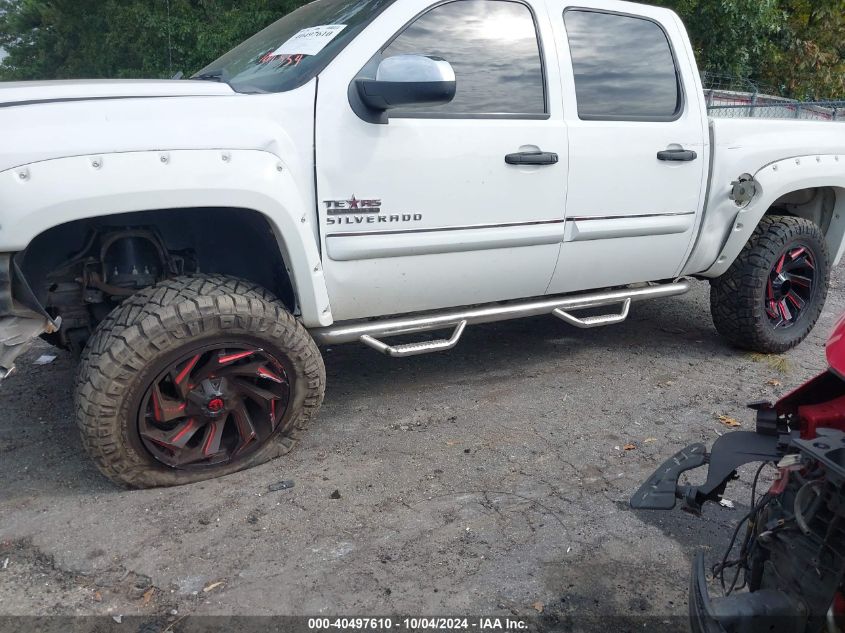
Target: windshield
(294, 49)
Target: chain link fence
(735, 98)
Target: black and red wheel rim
(213, 406)
(790, 287)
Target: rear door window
(624, 67)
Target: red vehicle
(787, 574)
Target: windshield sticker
(309, 41)
(286, 61)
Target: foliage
(730, 37)
(808, 59)
(57, 39)
(798, 46)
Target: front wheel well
(82, 269)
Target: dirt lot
(492, 479)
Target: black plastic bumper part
(22, 318)
(764, 611)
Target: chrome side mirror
(408, 80)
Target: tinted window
(624, 68)
(492, 46)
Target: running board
(371, 331)
(595, 321)
(413, 349)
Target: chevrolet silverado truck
(363, 170)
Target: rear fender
(775, 181)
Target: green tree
(795, 46)
(807, 58)
(57, 39)
(730, 37)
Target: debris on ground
(335, 495)
(778, 363)
(212, 586)
(281, 485)
(729, 421)
(538, 606)
(726, 503)
(46, 359)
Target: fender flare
(774, 181)
(43, 195)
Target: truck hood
(53, 120)
(31, 92)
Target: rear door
(637, 139)
(422, 211)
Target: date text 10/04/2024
(417, 624)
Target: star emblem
(353, 204)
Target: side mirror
(408, 80)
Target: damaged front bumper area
(22, 318)
(762, 611)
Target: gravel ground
(492, 479)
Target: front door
(638, 151)
(423, 212)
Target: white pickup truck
(364, 169)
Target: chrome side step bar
(413, 349)
(595, 321)
(369, 332)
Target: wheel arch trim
(44, 195)
(775, 181)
